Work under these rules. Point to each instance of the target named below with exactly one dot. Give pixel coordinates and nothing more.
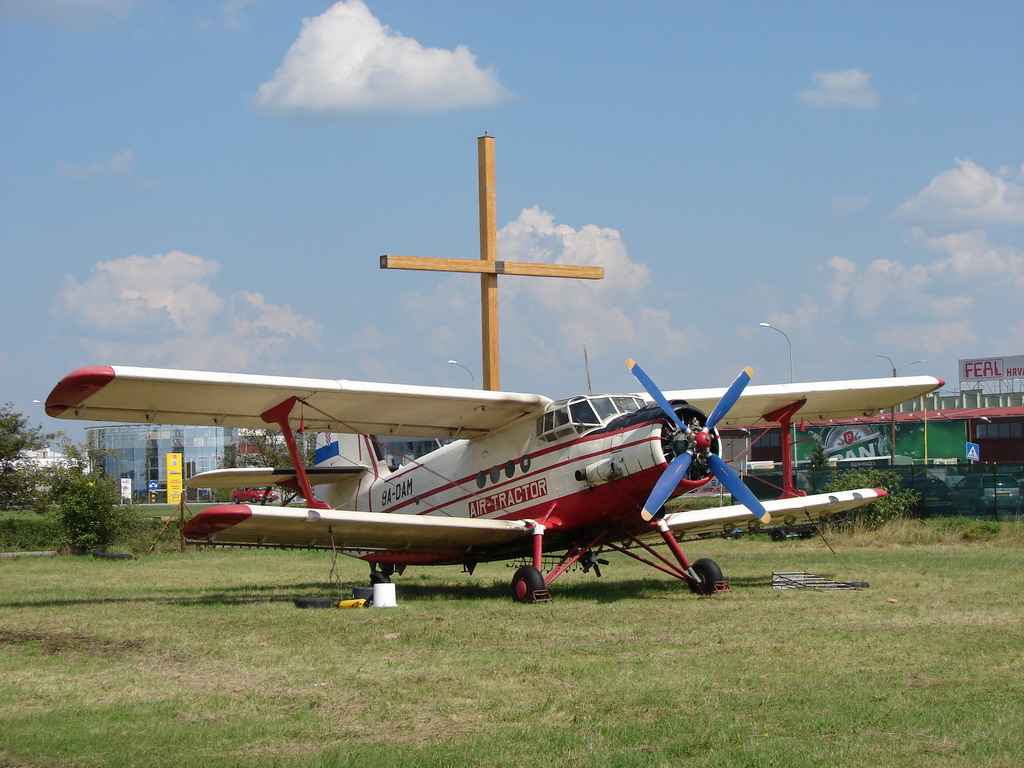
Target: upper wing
(163, 396)
(800, 509)
(285, 526)
(825, 399)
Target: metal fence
(987, 491)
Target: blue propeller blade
(727, 477)
(667, 483)
(652, 390)
(732, 394)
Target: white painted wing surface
(800, 509)
(294, 527)
(166, 396)
(825, 399)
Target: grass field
(201, 659)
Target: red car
(252, 496)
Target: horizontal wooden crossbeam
(479, 266)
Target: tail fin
(347, 450)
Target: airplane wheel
(709, 573)
(376, 577)
(525, 583)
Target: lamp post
(792, 429)
(471, 376)
(788, 344)
(892, 411)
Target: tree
(818, 457)
(20, 477)
(267, 448)
(85, 504)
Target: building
(936, 428)
(137, 452)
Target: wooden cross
(488, 266)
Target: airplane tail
(342, 451)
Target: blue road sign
(974, 452)
(154, 485)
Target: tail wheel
(710, 574)
(526, 583)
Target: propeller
(694, 443)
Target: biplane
(552, 483)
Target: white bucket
(384, 596)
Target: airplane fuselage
(582, 479)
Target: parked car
(994, 495)
(253, 495)
(933, 495)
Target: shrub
(27, 532)
(86, 507)
(900, 502)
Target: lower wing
(296, 527)
(800, 509)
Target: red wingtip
(216, 519)
(942, 382)
(77, 387)
(881, 492)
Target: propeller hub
(703, 441)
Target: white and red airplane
(522, 476)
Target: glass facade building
(139, 452)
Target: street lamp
(788, 344)
(792, 429)
(471, 376)
(892, 411)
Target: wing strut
(784, 416)
(279, 415)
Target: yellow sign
(174, 478)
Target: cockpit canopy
(576, 415)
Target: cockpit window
(583, 413)
(605, 408)
(577, 415)
(628, 403)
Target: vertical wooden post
(488, 266)
(488, 252)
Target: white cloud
(117, 165)
(939, 308)
(973, 259)
(161, 309)
(346, 62)
(968, 194)
(141, 294)
(545, 322)
(845, 88)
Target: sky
(210, 185)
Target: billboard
(174, 478)
(992, 368)
(869, 441)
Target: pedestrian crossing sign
(973, 452)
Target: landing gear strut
(383, 576)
